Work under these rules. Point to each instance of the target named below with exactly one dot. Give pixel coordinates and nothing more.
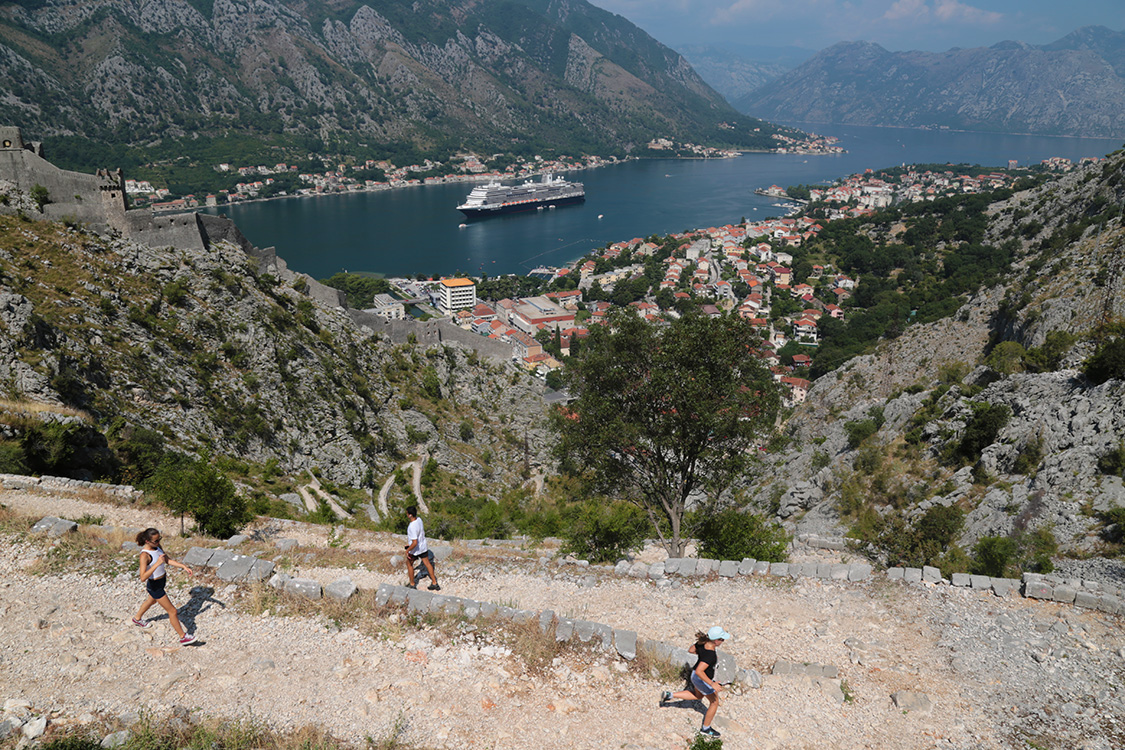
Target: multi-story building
(455, 294)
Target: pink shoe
(189, 638)
(141, 623)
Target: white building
(455, 294)
(388, 307)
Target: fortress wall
(178, 230)
(433, 333)
(73, 195)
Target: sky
(897, 25)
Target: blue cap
(718, 634)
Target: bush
(466, 431)
(982, 430)
(1108, 362)
(1114, 520)
(992, 556)
(1113, 462)
(13, 460)
(40, 196)
(602, 531)
(731, 534)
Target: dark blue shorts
(155, 587)
(698, 683)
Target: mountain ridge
(1074, 86)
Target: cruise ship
(494, 198)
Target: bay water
(414, 230)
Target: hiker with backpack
(418, 549)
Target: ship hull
(512, 208)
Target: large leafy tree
(661, 414)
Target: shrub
(1114, 520)
(40, 196)
(992, 556)
(466, 431)
(1030, 456)
(1113, 462)
(431, 385)
(1108, 362)
(1006, 357)
(13, 460)
(731, 534)
(982, 430)
(602, 531)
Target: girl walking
(703, 676)
(154, 562)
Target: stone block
(725, 669)
(418, 600)
(839, 572)
(746, 567)
(236, 568)
(383, 594)
(488, 609)
(341, 590)
(761, 568)
(625, 641)
(672, 566)
(1004, 586)
(679, 657)
(1086, 599)
(638, 570)
(436, 602)
(895, 574)
(830, 671)
(656, 571)
(286, 545)
(453, 605)
(237, 539)
(197, 557)
(471, 609)
(728, 569)
(218, 557)
(782, 667)
(912, 575)
(1109, 603)
(1064, 594)
(1037, 589)
(823, 570)
(398, 596)
(279, 580)
(960, 579)
(584, 630)
(523, 616)
(912, 702)
(546, 620)
(859, 572)
(779, 569)
(980, 582)
(45, 524)
(62, 527)
(442, 552)
(930, 574)
(603, 634)
(564, 630)
(260, 570)
(305, 587)
(751, 678)
(688, 566)
(705, 566)
(621, 568)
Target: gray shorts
(700, 685)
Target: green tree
(40, 196)
(1108, 362)
(1006, 357)
(601, 531)
(192, 486)
(660, 414)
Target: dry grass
(38, 407)
(650, 666)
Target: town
(745, 268)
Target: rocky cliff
(1075, 86)
(1066, 293)
(560, 74)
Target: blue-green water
(416, 230)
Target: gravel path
(995, 670)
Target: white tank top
(155, 553)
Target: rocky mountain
(1041, 467)
(1074, 86)
(216, 349)
(559, 74)
(732, 75)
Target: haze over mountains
(561, 74)
(1074, 86)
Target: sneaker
(141, 623)
(411, 586)
(434, 587)
(189, 638)
(710, 732)
(665, 696)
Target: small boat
(462, 226)
(601, 216)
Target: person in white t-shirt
(417, 548)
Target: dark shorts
(155, 587)
(428, 554)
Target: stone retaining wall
(65, 484)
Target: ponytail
(145, 536)
(700, 638)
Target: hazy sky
(933, 25)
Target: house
(387, 306)
(456, 294)
(524, 346)
(798, 390)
